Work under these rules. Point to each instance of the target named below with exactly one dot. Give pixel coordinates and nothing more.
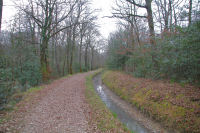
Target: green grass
(67, 76)
(105, 120)
(114, 114)
(34, 89)
(2, 120)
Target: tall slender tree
(1, 10)
(190, 12)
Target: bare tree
(83, 28)
(128, 12)
(149, 17)
(164, 9)
(48, 25)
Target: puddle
(115, 105)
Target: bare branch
(134, 3)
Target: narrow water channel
(108, 98)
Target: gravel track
(63, 109)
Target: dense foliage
(19, 68)
(175, 56)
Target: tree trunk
(64, 65)
(132, 28)
(53, 60)
(44, 59)
(56, 60)
(68, 58)
(92, 58)
(1, 10)
(190, 12)
(175, 18)
(171, 14)
(68, 47)
(166, 16)
(150, 22)
(80, 48)
(80, 54)
(72, 51)
(86, 64)
(152, 32)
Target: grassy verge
(105, 120)
(173, 105)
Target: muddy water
(115, 104)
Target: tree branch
(60, 30)
(36, 19)
(126, 15)
(138, 5)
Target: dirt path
(61, 110)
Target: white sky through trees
(8, 12)
(107, 25)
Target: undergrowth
(16, 98)
(172, 105)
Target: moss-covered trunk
(45, 69)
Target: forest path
(63, 108)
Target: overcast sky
(8, 12)
(107, 25)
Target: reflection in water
(103, 95)
(99, 89)
(122, 115)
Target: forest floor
(56, 108)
